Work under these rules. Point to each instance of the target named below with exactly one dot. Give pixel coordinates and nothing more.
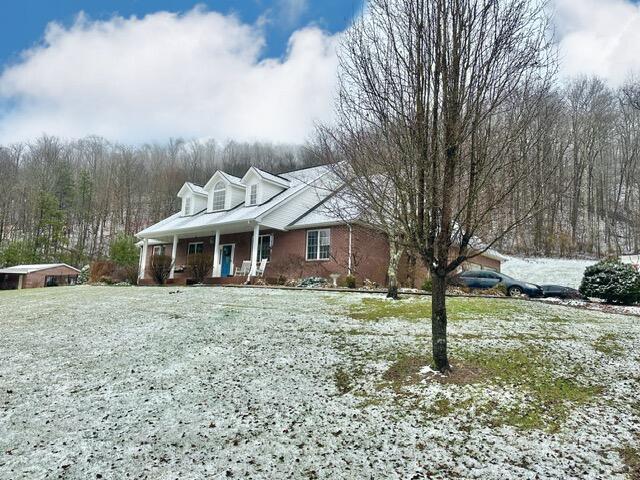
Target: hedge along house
(35, 276)
(278, 219)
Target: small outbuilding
(35, 276)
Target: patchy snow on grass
(109, 382)
(551, 271)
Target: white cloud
(292, 10)
(167, 75)
(599, 37)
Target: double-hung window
(264, 247)
(253, 194)
(195, 247)
(219, 194)
(318, 244)
(158, 250)
(187, 206)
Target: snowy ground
(553, 271)
(117, 382)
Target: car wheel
(515, 291)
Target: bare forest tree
(66, 201)
(451, 87)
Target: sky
(139, 71)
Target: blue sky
(23, 22)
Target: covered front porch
(236, 253)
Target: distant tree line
(69, 200)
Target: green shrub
(427, 285)
(83, 276)
(123, 251)
(350, 281)
(612, 281)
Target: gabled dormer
(194, 199)
(260, 186)
(224, 192)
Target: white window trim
(161, 248)
(213, 196)
(306, 245)
(194, 243)
(187, 208)
(233, 252)
(270, 244)
(249, 195)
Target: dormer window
(187, 205)
(253, 194)
(219, 196)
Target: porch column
(174, 252)
(254, 250)
(216, 256)
(350, 254)
(143, 257)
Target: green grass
(547, 398)
(419, 309)
(608, 345)
(631, 458)
(404, 371)
(530, 371)
(343, 381)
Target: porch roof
(239, 218)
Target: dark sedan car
(565, 293)
(483, 279)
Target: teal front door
(225, 261)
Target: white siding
(236, 197)
(294, 207)
(267, 191)
(198, 203)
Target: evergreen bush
(612, 281)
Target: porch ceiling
(240, 227)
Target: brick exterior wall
(370, 253)
(288, 254)
(370, 256)
(413, 276)
(37, 279)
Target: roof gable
(189, 187)
(225, 177)
(269, 177)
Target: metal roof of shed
(25, 269)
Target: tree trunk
(392, 271)
(439, 322)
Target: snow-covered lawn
(554, 271)
(117, 382)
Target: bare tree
(437, 81)
(364, 197)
